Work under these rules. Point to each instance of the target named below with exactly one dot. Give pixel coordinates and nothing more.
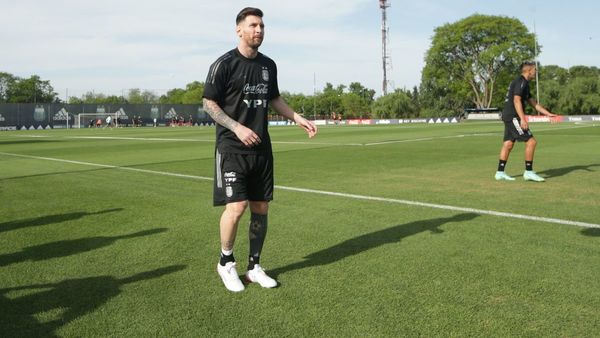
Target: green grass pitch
(111, 232)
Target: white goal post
(85, 120)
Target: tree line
(469, 64)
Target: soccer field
(374, 231)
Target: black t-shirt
(519, 87)
(243, 87)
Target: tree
(136, 96)
(149, 96)
(570, 91)
(31, 90)
(7, 81)
(97, 98)
(351, 101)
(330, 99)
(398, 104)
(355, 106)
(358, 100)
(173, 96)
(467, 59)
(75, 100)
(550, 93)
(113, 99)
(193, 93)
(553, 73)
(94, 98)
(416, 98)
(581, 96)
(366, 94)
(584, 71)
(300, 103)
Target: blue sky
(110, 46)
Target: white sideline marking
(564, 128)
(446, 207)
(318, 143)
(273, 142)
(276, 142)
(308, 142)
(331, 193)
(108, 166)
(138, 138)
(185, 140)
(431, 138)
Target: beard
(254, 42)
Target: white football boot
(258, 275)
(230, 277)
(501, 176)
(532, 176)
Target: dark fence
(56, 115)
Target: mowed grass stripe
(330, 193)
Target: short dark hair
(527, 64)
(248, 11)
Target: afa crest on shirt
(265, 74)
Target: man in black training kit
(516, 127)
(239, 88)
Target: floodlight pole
(383, 4)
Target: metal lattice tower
(384, 4)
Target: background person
(516, 127)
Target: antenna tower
(387, 62)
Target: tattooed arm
(246, 135)
(213, 109)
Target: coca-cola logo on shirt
(261, 88)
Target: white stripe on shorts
(218, 170)
(518, 126)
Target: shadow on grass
(370, 241)
(56, 173)
(592, 232)
(40, 310)
(50, 219)
(68, 247)
(27, 141)
(556, 172)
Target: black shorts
(241, 177)
(513, 131)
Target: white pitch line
(431, 138)
(34, 136)
(138, 138)
(564, 128)
(190, 140)
(108, 166)
(318, 143)
(465, 135)
(445, 207)
(331, 193)
(308, 142)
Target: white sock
(226, 252)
